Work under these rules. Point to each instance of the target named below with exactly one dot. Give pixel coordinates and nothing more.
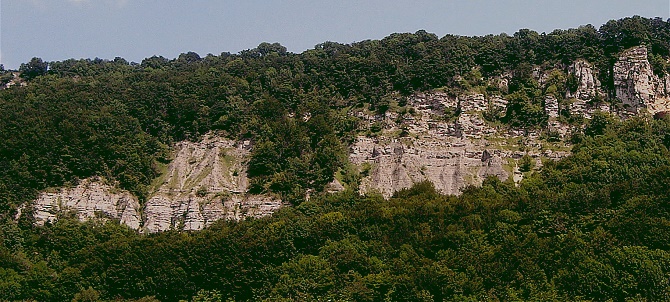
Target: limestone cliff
(91, 198)
(205, 182)
(588, 88)
(637, 86)
(436, 137)
(588, 85)
(396, 164)
(450, 152)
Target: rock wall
(551, 106)
(396, 164)
(588, 84)
(588, 88)
(637, 86)
(205, 182)
(90, 199)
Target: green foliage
(524, 110)
(526, 163)
(572, 83)
(557, 83)
(36, 67)
(594, 226)
(599, 123)
(293, 155)
(87, 295)
(207, 296)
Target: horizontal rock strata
(89, 199)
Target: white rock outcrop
(637, 86)
(396, 164)
(588, 84)
(588, 89)
(91, 198)
(551, 106)
(205, 182)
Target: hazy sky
(136, 29)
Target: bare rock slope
(91, 198)
(452, 153)
(205, 182)
(637, 86)
(396, 164)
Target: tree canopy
(593, 226)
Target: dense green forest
(593, 226)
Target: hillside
(391, 151)
(504, 168)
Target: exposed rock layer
(637, 86)
(205, 182)
(91, 198)
(450, 152)
(588, 85)
(396, 164)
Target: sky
(56, 30)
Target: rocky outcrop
(11, 80)
(191, 212)
(637, 86)
(205, 182)
(473, 102)
(396, 164)
(451, 152)
(91, 198)
(435, 102)
(551, 106)
(587, 91)
(588, 86)
(448, 152)
(334, 186)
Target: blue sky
(136, 29)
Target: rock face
(551, 106)
(205, 182)
(396, 164)
(588, 89)
(588, 83)
(637, 86)
(91, 198)
(450, 152)
(440, 138)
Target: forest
(591, 227)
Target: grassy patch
(158, 181)
(509, 165)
